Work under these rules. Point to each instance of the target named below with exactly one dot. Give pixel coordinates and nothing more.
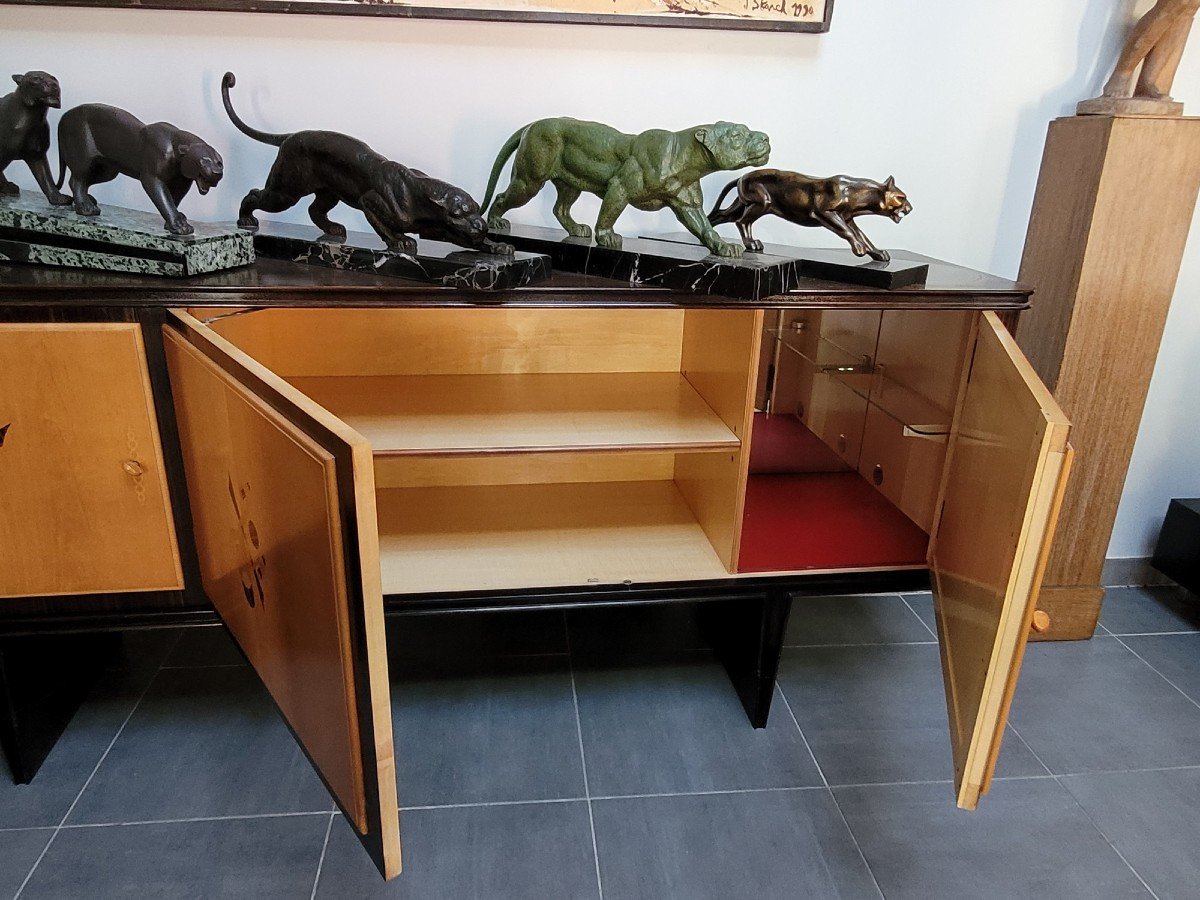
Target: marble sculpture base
(681, 263)
(117, 240)
(433, 263)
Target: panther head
(38, 89)
(457, 214)
(202, 164)
(894, 202)
(734, 146)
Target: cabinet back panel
(522, 468)
(303, 342)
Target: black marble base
(433, 263)
(833, 264)
(680, 262)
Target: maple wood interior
(544, 447)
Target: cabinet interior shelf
(512, 413)
(476, 537)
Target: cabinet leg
(43, 679)
(748, 637)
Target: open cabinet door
(1006, 468)
(283, 506)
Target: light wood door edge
(1060, 489)
(1031, 554)
(356, 496)
(1013, 631)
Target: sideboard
(304, 451)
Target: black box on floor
(1178, 552)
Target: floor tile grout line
(587, 792)
(825, 781)
(1146, 662)
(483, 804)
(1107, 839)
(1024, 743)
(195, 819)
(321, 859)
(142, 696)
(1125, 634)
(1075, 800)
(918, 615)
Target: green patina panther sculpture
(651, 170)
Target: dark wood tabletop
(278, 283)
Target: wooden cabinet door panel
(283, 508)
(1006, 467)
(84, 504)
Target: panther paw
(59, 199)
(724, 248)
(754, 246)
(580, 231)
(89, 207)
(8, 189)
(335, 231)
(181, 227)
(880, 255)
(606, 237)
(498, 248)
(249, 223)
(498, 223)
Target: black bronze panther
(24, 133)
(99, 142)
(338, 168)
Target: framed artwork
(739, 15)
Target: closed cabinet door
(83, 494)
(283, 508)
(1006, 468)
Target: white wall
(951, 97)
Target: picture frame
(734, 15)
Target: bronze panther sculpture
(338, 168)
(651, 170)
(98, 143)
(829, 202)
(25, 134)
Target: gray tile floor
(603, 754)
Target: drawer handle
(133, 468)
(4, 432)
(1041, 621)
(877, 475)
(935, 433)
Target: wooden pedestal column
(1110, 219)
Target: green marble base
(117, 240)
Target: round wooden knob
(133, 468)
(1041, 621)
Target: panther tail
(718, 215)
(62, 171)
(509, 148)
(274, 140)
